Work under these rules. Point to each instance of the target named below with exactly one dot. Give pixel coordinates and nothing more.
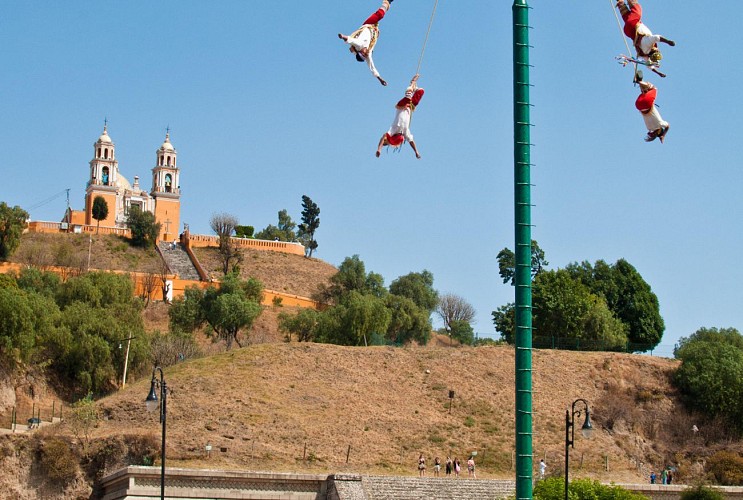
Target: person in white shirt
(645, 104)
(362, 41)
(399, 131)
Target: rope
(423, 50)
(621, 31)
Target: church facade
(105, 180)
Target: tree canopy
(99, 210)
(310, 223)
(145, 229)
(12, 222)
(711, 372)
(507, 262)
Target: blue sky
(265, 104)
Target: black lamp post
(586, 430)
(152, 404)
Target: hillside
(265, 403)
(276, 406)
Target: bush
(553, 488)
(702, 492)
(58, 460)
(727, 468)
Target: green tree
(364, 315)
(352, 276)
(12, 222)
(310, 223)
(303, 324)
(32, 279)
(283, 232)
(408, 321)
(463, 332)
(504, 319)
(628, 296)
(99, 211)
(228, 310)
(17, 338)
(507, 262)
(711, 373)
(565, 308)
(143, 226)
(419, 288)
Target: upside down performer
(399, 131)
(645, 103)
(363, 40)
(645, 42)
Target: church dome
(104, 138)
(122, 183)
(167, 146)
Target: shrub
(553, 488)
(702, 492)
(58, 460)
(727, 468)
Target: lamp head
(151, 402)
(587, 429)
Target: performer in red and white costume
(645, 42)
(399, 131)
(363, 40)
(645, 103)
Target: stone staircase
(435, 488)
(178, 261)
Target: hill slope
(265, 403)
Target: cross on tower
(167, 225)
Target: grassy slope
(265, 402)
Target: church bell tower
(166, 190)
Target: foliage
(504, 319)
(352, 277)
(701, 492)
(17, 338)
(628, 296)
(408, 321)
(310, 223)
(565, 307)
(99, 210)
(244, 231)
(98, 289)
(12, 222)
(507, 263)
(462, 331)
(58, 460)
(727, 468)
(419, 288)
(145, 229)
(452, 308)
(303, 325)
(283, 232)
(228, 310)
(553, 488)
(230, 255)
(45, 283)
(83, 418)
(711, 373)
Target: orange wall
(167, 209)
(201, 240)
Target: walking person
(471, 467)
(436, 466)
(421, 465)
(448, 466)
(542, 468)
(457, 468)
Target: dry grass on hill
(107, 252)
(280, 272)
(265, 403)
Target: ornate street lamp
(586, 430)
(153, 404)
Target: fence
(27, 416)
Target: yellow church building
(105, 180)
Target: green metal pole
(522, 213)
